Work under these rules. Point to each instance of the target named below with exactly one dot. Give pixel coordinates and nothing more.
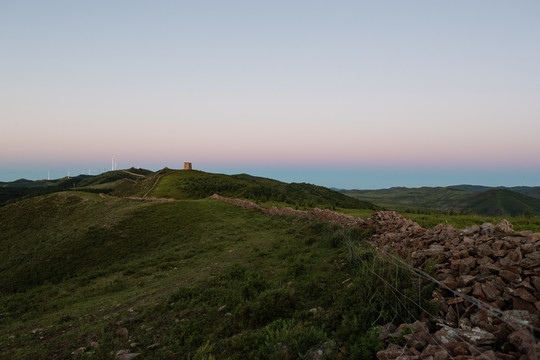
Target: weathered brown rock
(456, 348)
(488, 355)
(490, 291)
(524, 294)
(477, 336)
(471, 230)
(79, 351)
(536, 282)
(522, 340)
(126, 355)
(450, 282)
(503, 356)
(497, 245)
(487, 228)
(504, 227)
(510, 276)
(520, 304)
(520, 319)
(392, 352)
(478, 292)
(465, 280)
(532, 260)
(434, 352)
(534, 352)
(527, 248)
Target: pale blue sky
(389, 92)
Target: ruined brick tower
(187, 166)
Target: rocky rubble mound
(315, 213)
(489, 293)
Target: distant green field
(459, 221)
(478, 200)
(425, 197)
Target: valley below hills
(185, 264)
(468, 199)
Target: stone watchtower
(187, 166)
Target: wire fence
(422, 276)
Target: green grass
(430, 219)
(400, 198)
(200, 278)
(520, 223)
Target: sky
(346, 94)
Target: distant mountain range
(481, 200)
(533, 191)
(474, 199)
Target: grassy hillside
(192, 184)
(532, 191)
(401, 198)
(464, 198)
(22, 189)
(470, 188)
(131, 182)
(194, 279)
(501, 202)
(187, 185)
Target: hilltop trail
(153, 186)
(145, 197)
(130, 173)
(487, 279)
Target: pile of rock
(315, 213)
(489, 290)
(238, 202)
(390, 222)
(149, 198)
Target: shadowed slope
(500, 202)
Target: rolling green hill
(194, 279)
(401, 198)
(22, 188)
(189, 184)
(532, 191)
(496, 202)
(192, 184)
(478, 200)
